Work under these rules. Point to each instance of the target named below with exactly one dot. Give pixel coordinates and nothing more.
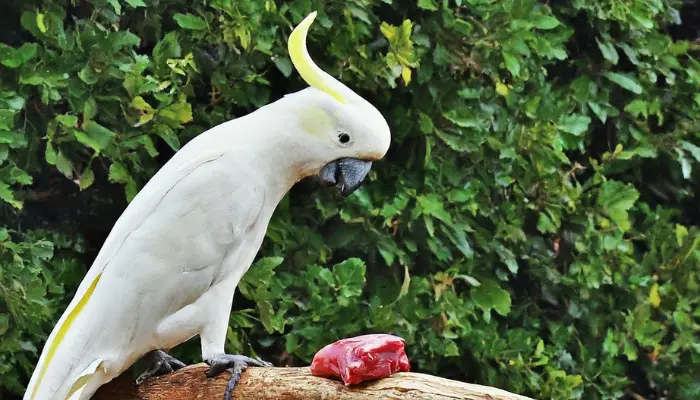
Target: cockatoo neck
(268, 140)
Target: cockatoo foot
(159, 363)
(234, 363)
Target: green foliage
(33, 285)
(534, 226)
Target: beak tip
(346, 191)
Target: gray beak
(348, 173)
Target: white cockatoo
(169, 267)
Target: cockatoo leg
(159, 363)
(234, 363)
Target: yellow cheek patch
(64, 329)
(315, 121)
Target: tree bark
(295, 384)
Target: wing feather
(198, 152)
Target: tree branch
(295, 384)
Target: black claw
(159, 363)
(234, 363)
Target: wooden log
(295, 384)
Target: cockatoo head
(342, 132)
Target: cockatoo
(169, 267)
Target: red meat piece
(361, 358)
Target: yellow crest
(309, 71)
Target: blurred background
(534, 226)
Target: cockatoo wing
(181, 195)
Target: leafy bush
(534, 227)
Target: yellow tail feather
(63, 330)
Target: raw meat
(361, 358)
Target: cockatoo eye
(344, 138)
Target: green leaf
(425, 123)
(545, 22)
(432, 205)
(166, 49)
(609, 344)
(539, 349)
(350, 277)
(545, 224)
(637, 107)
(630, 350)
(169, 136)
(130, 189)
(468, 93)
(273, 322)
(681, 234)
(140, 104)
(14, 140)
(14, 58)
(69, 121)
(451, 349)
(502, 89)
(16, 103)
(510, 261)
(491, 296)
(64, 165)
(625, 80)
(654, 297)
(117, 7)
(40, 18)
(389, 31)
(88, 75)
(609, 52)
(406, 75)
(467, 121)
(147, 143)
(463, 27)
(95, 136)
(692, 149)
(43, 249)
(136, 3)
(189, 21)
(87, 178)
(177, 112)
(8, 196)
(259, 275)
(50, 154)
(89, 109)
(512, 64)
(326, 276)
(427, 5)
(284, 65)
(575, 124)
(7, 118)
(686, 168)
(616, 199)
(406, 283)
(459, 239)
(387, 255)
(642, 19)
(119, 173)
(4, 235)
(19, 176)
